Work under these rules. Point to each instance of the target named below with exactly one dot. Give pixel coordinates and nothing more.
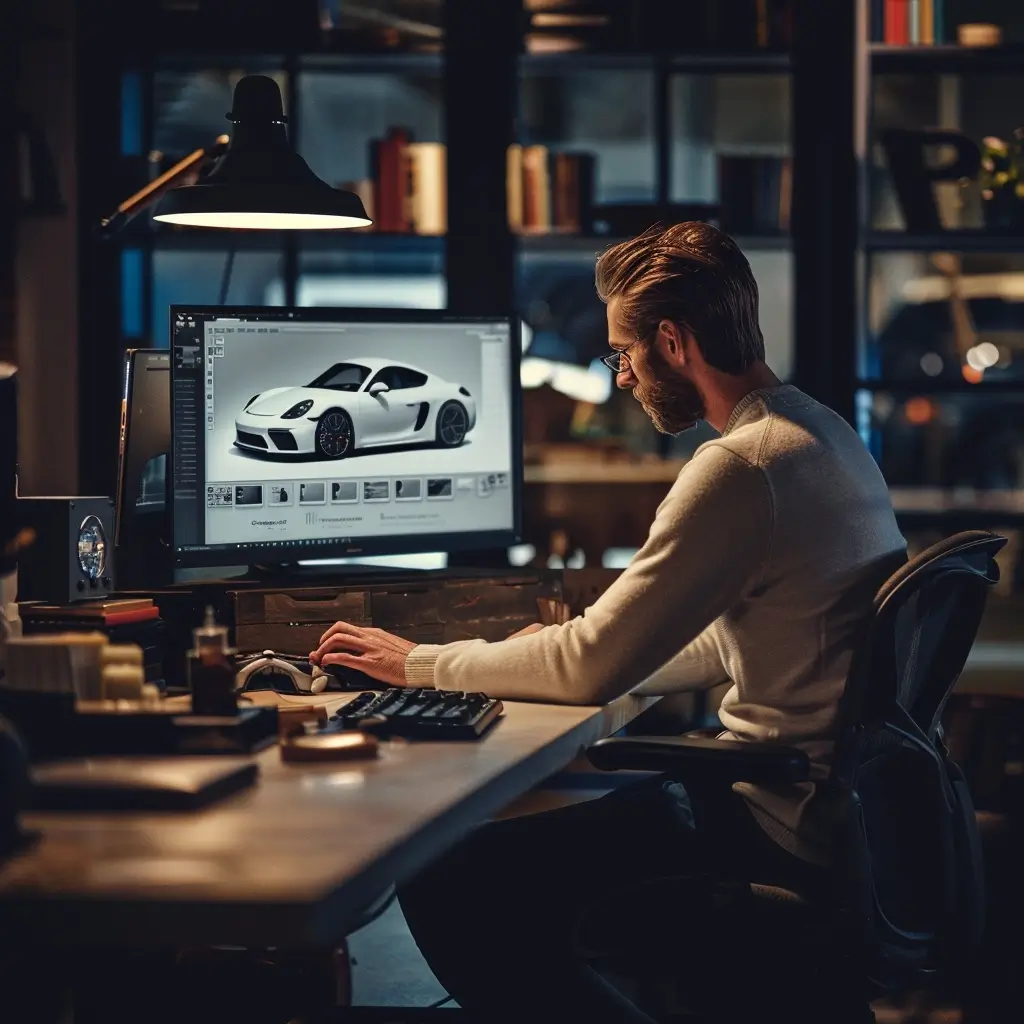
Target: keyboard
(420, 714)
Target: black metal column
(100, 355)
(482, 41)
(824, 219)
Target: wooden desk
(294, 860)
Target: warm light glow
(591, 384)
(972, 375)
(521, 554)
(534, 372)
(938, 288)
(919, 411)
(265, 221)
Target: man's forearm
(676, 586)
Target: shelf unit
(946, 59)
(482, 56)
(926, 507)
(960, 240)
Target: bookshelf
(945, 59)
(170, 93)
(974, 240)
(951, 444)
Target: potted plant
(1002, 186)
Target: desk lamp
(256, 181)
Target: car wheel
(452, 425)
(334, 435)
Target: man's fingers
(364, 665)
(342, 627)
(342, 642)
(342, 658)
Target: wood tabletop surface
(297, 858)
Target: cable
(225, 278)
(439, 1003)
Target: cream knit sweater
(759, 569)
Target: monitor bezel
(370, 546)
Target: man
(759, 569)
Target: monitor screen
(301, 434)
(145, 438)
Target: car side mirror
(379, 388)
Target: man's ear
(671, 343)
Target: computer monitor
(142, 537)
(313, 433)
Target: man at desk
(759, 569)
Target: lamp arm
(152, 192)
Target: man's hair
(694, 276)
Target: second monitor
(312, 433)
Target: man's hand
(380, 655)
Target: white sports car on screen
(361, 403)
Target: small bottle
(211, 670)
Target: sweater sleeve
(698, 666)
(706, 548)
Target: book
(85, 609)
(426, 195)
(572, 192)
(926, 13)
(387, 157)
(876, 30)
(536, 190)
(514, 187)
(896, 22)
(71, 619)
(914, 22)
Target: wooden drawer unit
(430, 610)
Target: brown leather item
(139, 783)
(332, 746)
(292, 718)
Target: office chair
(903, 899)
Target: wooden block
(425, 610)
(302, 606)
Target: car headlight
(463, 391)
(251, 400)
(298, 410)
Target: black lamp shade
(260, 182)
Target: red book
(897, 22)
(390, 182)
(138, 615)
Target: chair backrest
(908, 865)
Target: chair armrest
(708, 760)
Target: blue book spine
(939, 21)
(876, 30)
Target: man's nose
(624, 379)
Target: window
(341, 377)
(398, 378)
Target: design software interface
(296, 432)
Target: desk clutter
(134, 621)
(76, 694)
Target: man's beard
(673, 403)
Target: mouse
(341, 677)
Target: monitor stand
(292, 574)
(295, 572)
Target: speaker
(72, 558)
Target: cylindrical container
(211, 670)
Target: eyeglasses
(615, 360)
